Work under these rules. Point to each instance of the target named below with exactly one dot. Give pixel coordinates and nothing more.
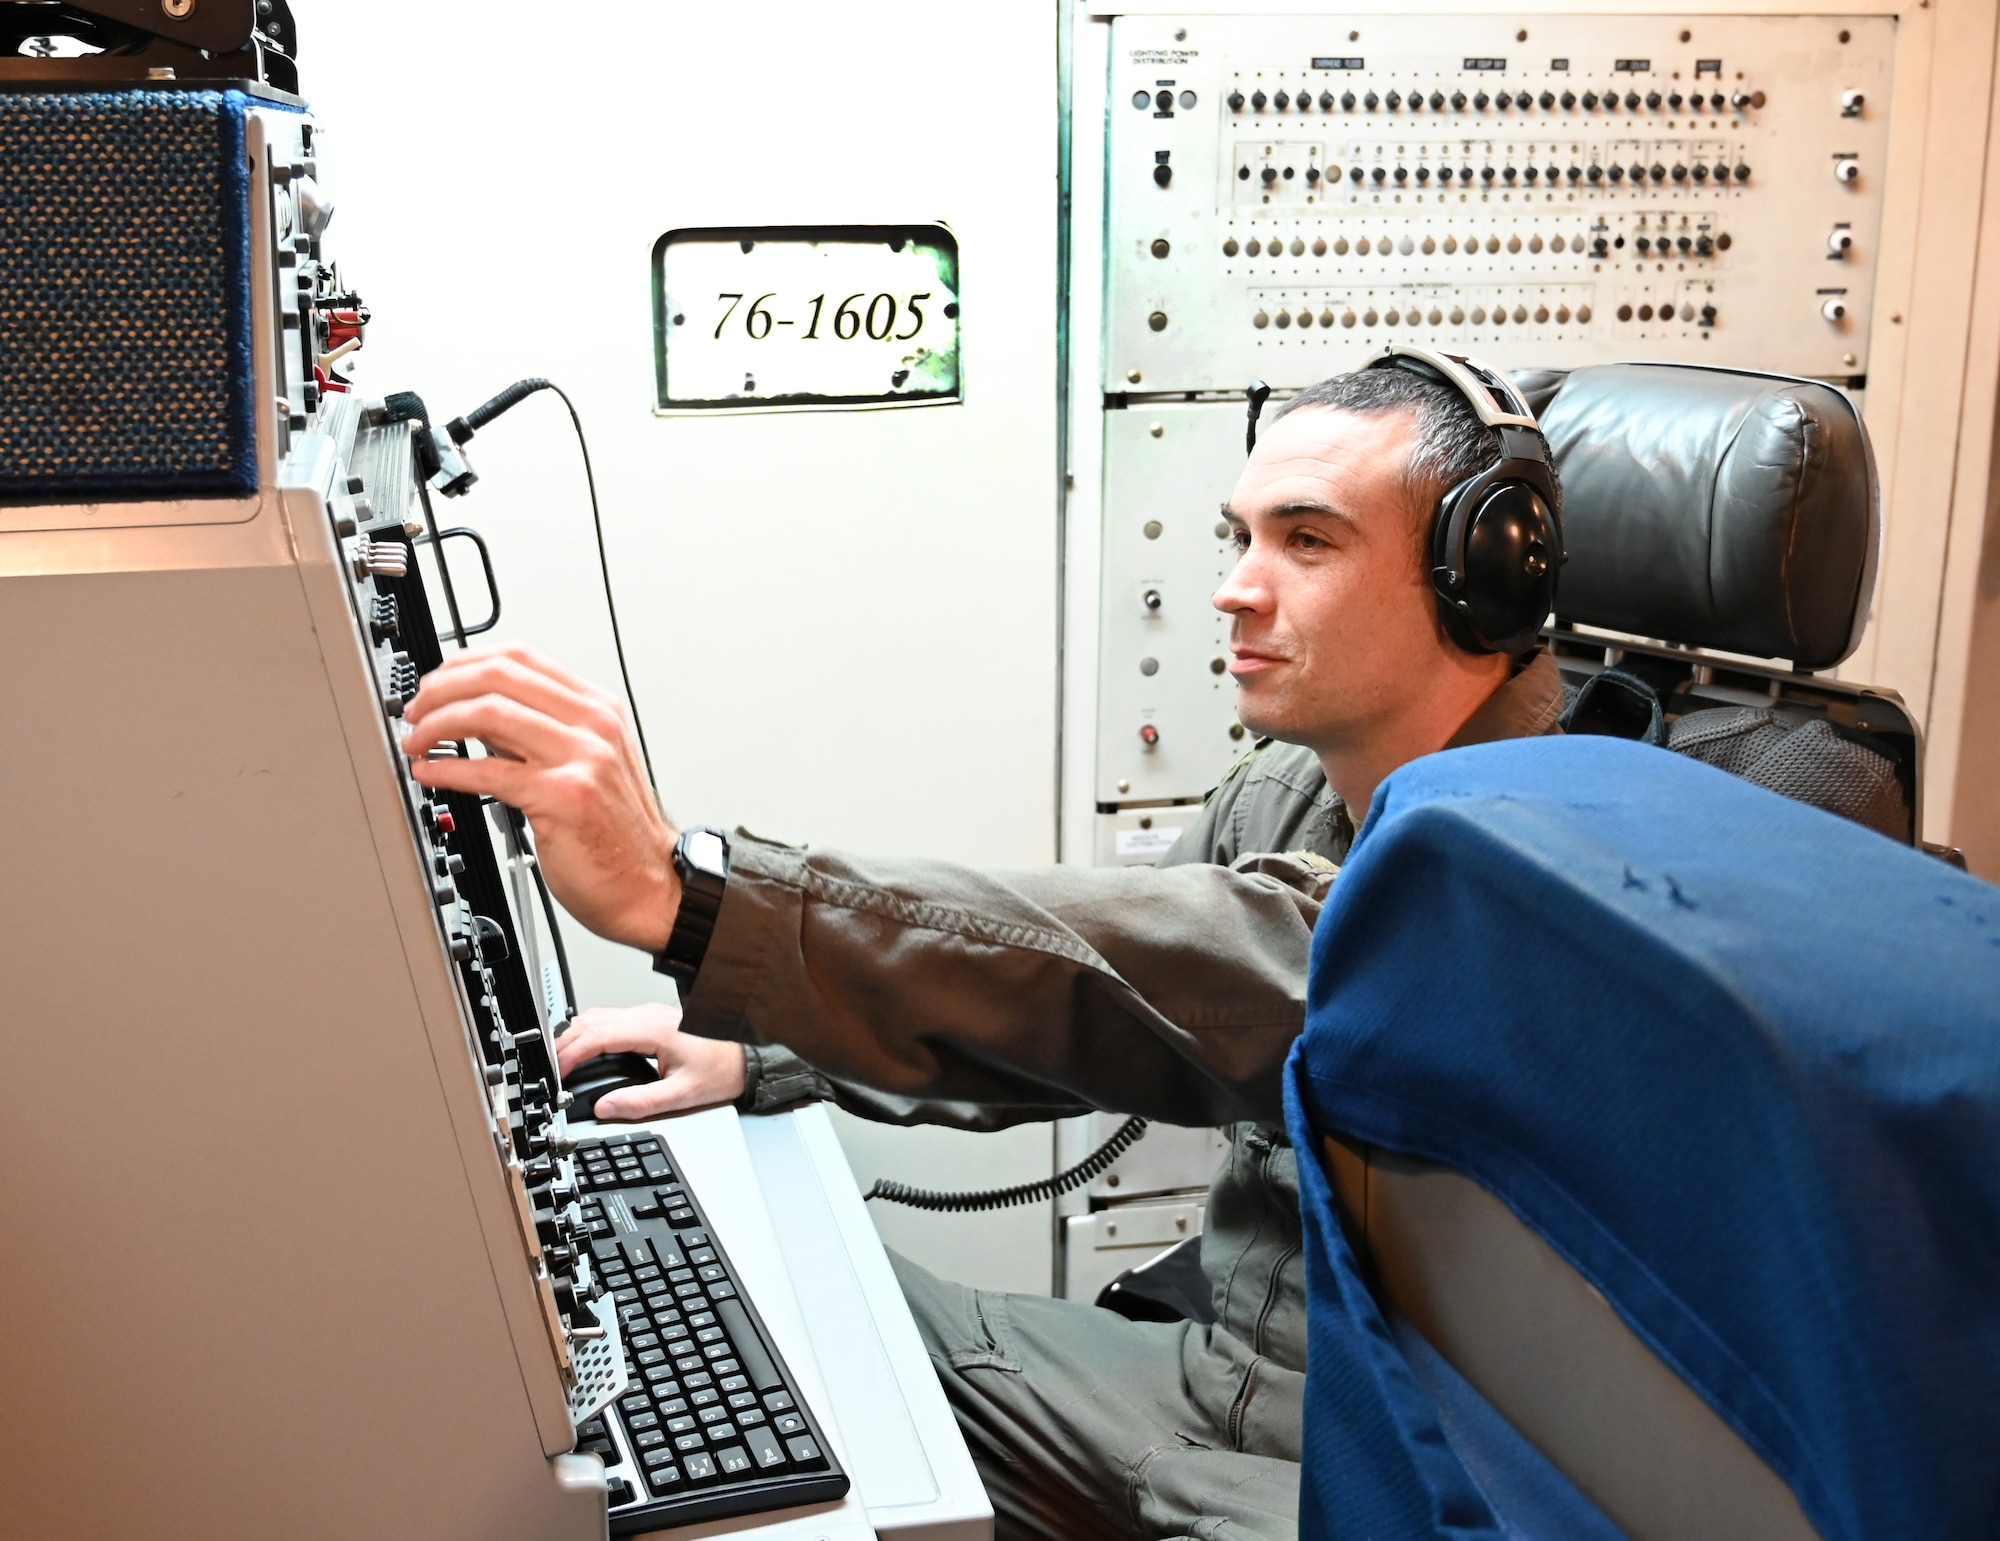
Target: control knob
(1568, 99)
(1548, 100)
(1235, 101)
(1347, 101)
(1269, 174)
(1258, 99)
(1163, 174)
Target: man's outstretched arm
(1170, 993)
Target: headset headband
(1487, 391)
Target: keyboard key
(682, 1425)
(705, 1398)
(779, 1401)
(723, 1291)
(692, 1381)
(638, 1423)
(733, 1383)
(678, 1218)
(730, 1368)
(688, 1291)
(717, 1414)
(710, 1272)
(686, 1442)
(750, 1415)
(804, 1451)
(734, 1460)
(702, 1255)
(700, 1467)
(650, 1271)
(664, 1480)
(689, 1362)
(702, 1318)
(653, 1459)
(636, 1251)
(695, 1239)
(641, 1341)
(763, 1448)
(657, 1169)
(636, 1402)
(651, 1439)
(651, 1356)
(743, 1399)
(672, 1407)
(721, 1433)
(618, 1491)
(789, 1423)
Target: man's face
(1333, 622)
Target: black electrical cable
(461, 429)
(1021, 1193)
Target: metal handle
(486, 564)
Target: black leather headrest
(1714, 508)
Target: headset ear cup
(1510, 556)
(1448, 569)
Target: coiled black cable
(1021, 1193)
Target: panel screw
(178, 10)
(1157, 321)
(1132, 376)
(1157, 429)
(1124, 786)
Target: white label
(1148, 842)
(806, 317)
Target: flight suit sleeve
(984, 999)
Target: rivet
(1157, 429)
(1132, 376)
(1124, 786)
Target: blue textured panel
(125, 355)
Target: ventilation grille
(125, 355)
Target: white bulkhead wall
(841, 625)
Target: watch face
(706, 852)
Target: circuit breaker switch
(1840, 242)
(1150, 598)
(1834, 309)
(1846, 169)
(1851, 103)
(1149, 736)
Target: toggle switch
(1834, 309)
(1851, 103)
(1150, 598)
(1149, 736)
(1840, 242)
(1846, 169)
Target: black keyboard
(713, 1424)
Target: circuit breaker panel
(1285, 194)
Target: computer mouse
(592, 1078)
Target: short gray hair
(1452, 443)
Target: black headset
(1496, 538)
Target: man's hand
(563, 752)
(694, 1072)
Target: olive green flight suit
(923, 992)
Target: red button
(446, 822)
(1149, 735)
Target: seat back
(1723, 528)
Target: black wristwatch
(701, 857)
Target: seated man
(919, 991)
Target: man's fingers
(503, 725)
(508, 780)
(588, 1042)
(533, 681)
(675, 1094)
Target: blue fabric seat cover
(1736, 1059)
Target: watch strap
(701, 858)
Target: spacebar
(749, 1347)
